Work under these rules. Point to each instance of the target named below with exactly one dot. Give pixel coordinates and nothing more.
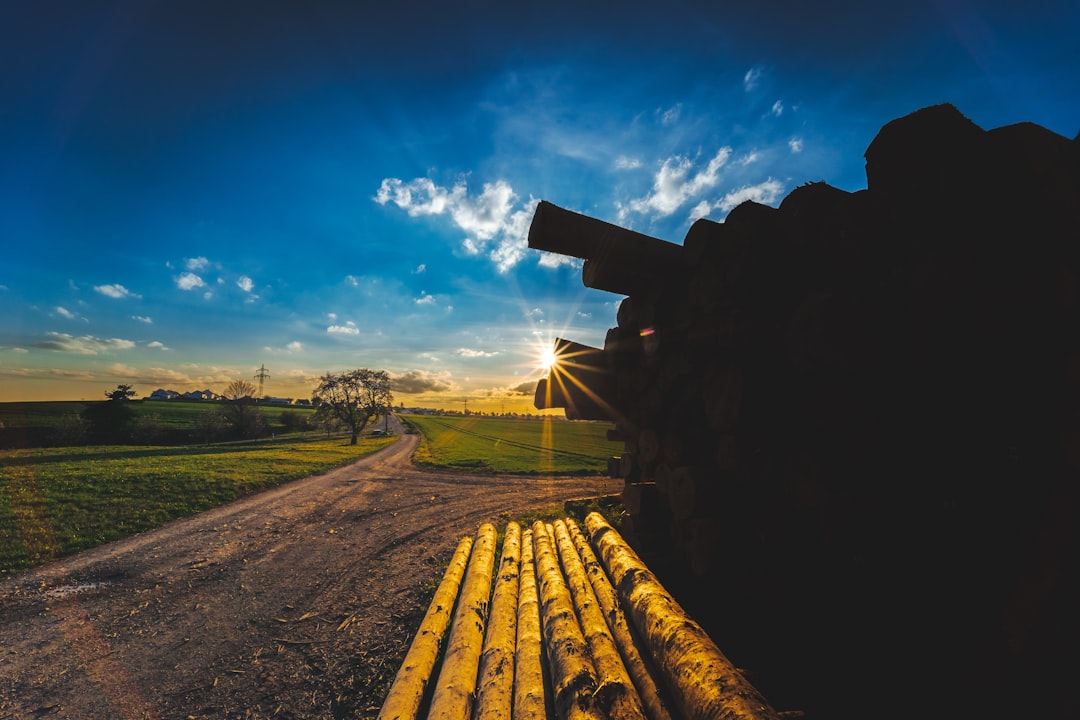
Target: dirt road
(298, 602)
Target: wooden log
(531, 699)
(565, 232)
(407, 691)
(495, 694)
(704, 683)
(636, 664)
(638, 496)
(615, 692)
(456, 686)
(579, 382)
(682, 492)
(573, 677)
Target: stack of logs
(861, 406)
(566, 625)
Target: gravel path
(298, 602)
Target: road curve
(296, 602)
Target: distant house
(303, 401)
(199, 395)
(161, 394)
(278, 401)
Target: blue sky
(190, 190)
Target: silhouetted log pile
(862, 410)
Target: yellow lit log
(456, 686)
(407, 691)
(495, 694)
(573, 677)
(636, 665)
(615, 692)
(706, 686)
(530, 698)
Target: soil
(298, 602)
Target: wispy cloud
(196, 263)
(156, 345)
(470, 353)
(751, 79)
(795, 144)
(245, 283)
(420, 269)
(492, 223)
(624, 162)
(83, 345)
(677, 183)
(778, 108)
(143, 319)
(766, 193)
(65, 313)
(349, 328)
(669, 116)
(424, 299)
(116, 290)
(189, 281)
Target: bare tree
(241, 412)
(353, 397)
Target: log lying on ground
(530, 698)
(615, 693)
(573, 677)
(704, 682)
(407, 691)
(456, 686)
(494, 700)
(636, 665)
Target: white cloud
(671, 115)
(189, 281)
(778, 108)
(84, 345)
(64, 312)
(702, 209)
(245, 283)
(469, 353)
(143, 319)
(209, 294)
(766, 193)
(488, 219)
(627, 163)
(196, 263)
(421, 268)
(555, 260)
(295, 346)
(115, 291)
(156, 345)
(349, 328)
(749, 159)
(331, 316)
(796, 144)
(676, 183)
(352, 280)
(751, 78)
(425, 299)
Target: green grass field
(174, 413)
(55, 501)
(510, 445)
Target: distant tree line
(344, 401)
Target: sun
(547, 359)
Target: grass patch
(56, 501)
(544, 446)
